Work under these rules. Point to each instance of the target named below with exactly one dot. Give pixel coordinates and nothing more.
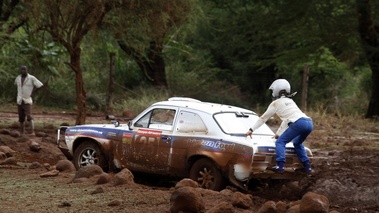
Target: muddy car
(182, 137)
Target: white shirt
(287, 111)
(24, 90)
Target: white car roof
(201, 106)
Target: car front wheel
(206, 173)
(89, 153)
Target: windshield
(239, 123)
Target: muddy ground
(346, 168)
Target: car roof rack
(183, 99)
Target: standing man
(26, 84)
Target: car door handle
(166, 138)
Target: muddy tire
(206, 173)
(89, 153)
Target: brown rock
(312, 203)
(241, 200)
(227, 192)
(294, 209)
(187, 182)
(223, 207)
(2, 155)
(88, 171)
(5, 131)
(186, 199)
(8, 151)
(15, 133)
(268, 207)
(123, 177)
(114, 203)
(65, 166)
(281, 207)
(34, 146)
(9, 161)
(103, 179)
(294, 203)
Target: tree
(142, 28)
(368, 31)
(11, 18)
(8, 19)
(256, 42)
(68, 22)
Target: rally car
(182, 137)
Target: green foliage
(214, 50)
(138, 99)
(253, 43)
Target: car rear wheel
(89, 153)
(206, 173)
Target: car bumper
(260, 168)
(61, 143)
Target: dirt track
(346, 171)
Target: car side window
(144, 121)
(162, 116)
(157, 119)
(190, 122)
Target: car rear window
(239, 123)
(190, 122)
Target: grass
(343, 132)
(332, 131)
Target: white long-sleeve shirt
(287, 111)
(25, 89)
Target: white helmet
(278, 85)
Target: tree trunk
(370, 45)
(153, 66)
(157, 64)
(110, 84)
(81, 95)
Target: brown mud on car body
(182, 137)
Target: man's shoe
(304, 170)
(277, 169)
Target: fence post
(304, 87)
(111, 83)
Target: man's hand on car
(249, 133)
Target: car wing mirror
(116, 123)
(130, 125)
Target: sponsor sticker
(218, 145)
(127, 137)
(149, 133)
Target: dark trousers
(24, 111)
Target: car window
(162, 116)
(190, 122)
(239, 123)
(157, 119)
(144, 121)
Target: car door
(151, 140)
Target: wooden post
(304, 87)
(110, 84)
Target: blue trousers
(297, 132)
